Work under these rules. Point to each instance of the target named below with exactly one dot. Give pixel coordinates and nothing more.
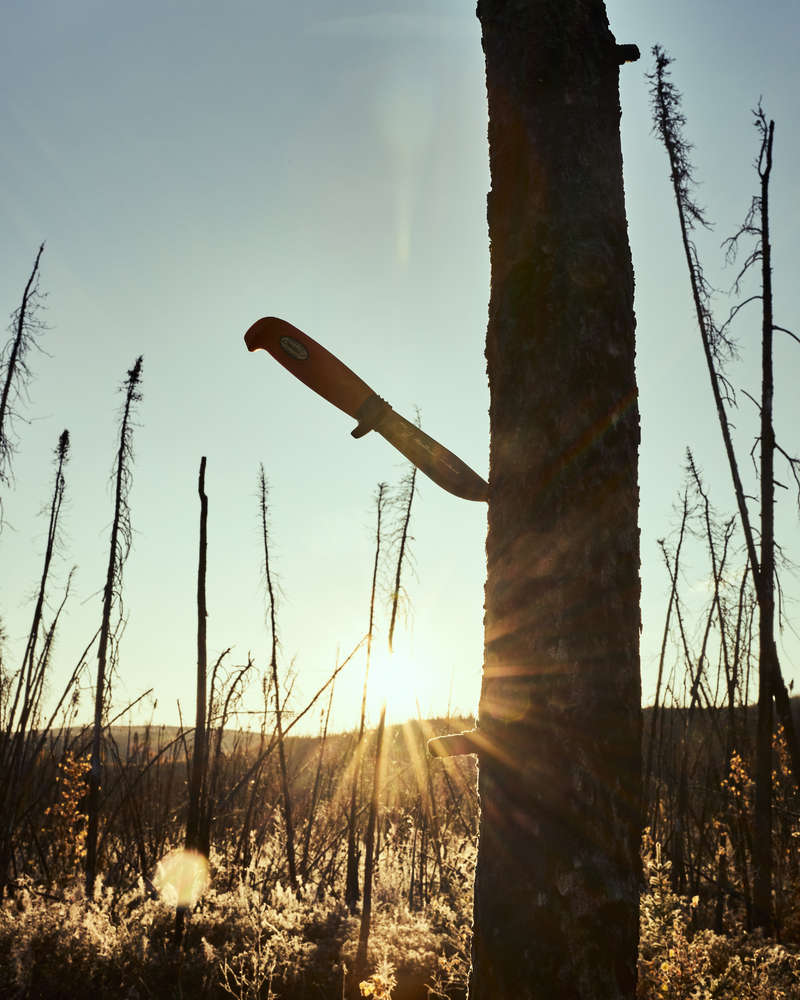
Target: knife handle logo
(294, 348)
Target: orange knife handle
(326, 375)
(311, 363)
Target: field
(245, 932)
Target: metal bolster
(369, 415)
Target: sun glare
(398, 679)
(405, 115)
(181, 877)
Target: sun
(399, 680)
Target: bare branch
(784, 330)
(794, 468)
(736, 309)
(753, 400)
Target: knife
(327, 375)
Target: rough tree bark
(557, 877)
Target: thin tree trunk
(666, 101)
(734, 680)
(117, 553)
(273, 663)
(767, 675)
(200, 747)
(199, 750)
(351, 892)
(26, 680)
(15, 755)
(410, 482)
(557, 876)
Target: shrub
(677, 963)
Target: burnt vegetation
(342, 864)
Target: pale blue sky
(194, 166)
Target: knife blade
(323, 372)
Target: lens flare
(405, 113)
(181, 877)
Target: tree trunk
(767, 672)
(19, 744)
(351, 891)
(200, 748)
(195, 839)
(557, 877)
(276, 689)
(117, 554)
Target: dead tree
(14, 371)
(401, 537)
(717, 345)
(762, 885)
(770, 682)
(273, 663)
(194, 841)
(21, 732)
(118, 551)
(559, 733)
(351, 891)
